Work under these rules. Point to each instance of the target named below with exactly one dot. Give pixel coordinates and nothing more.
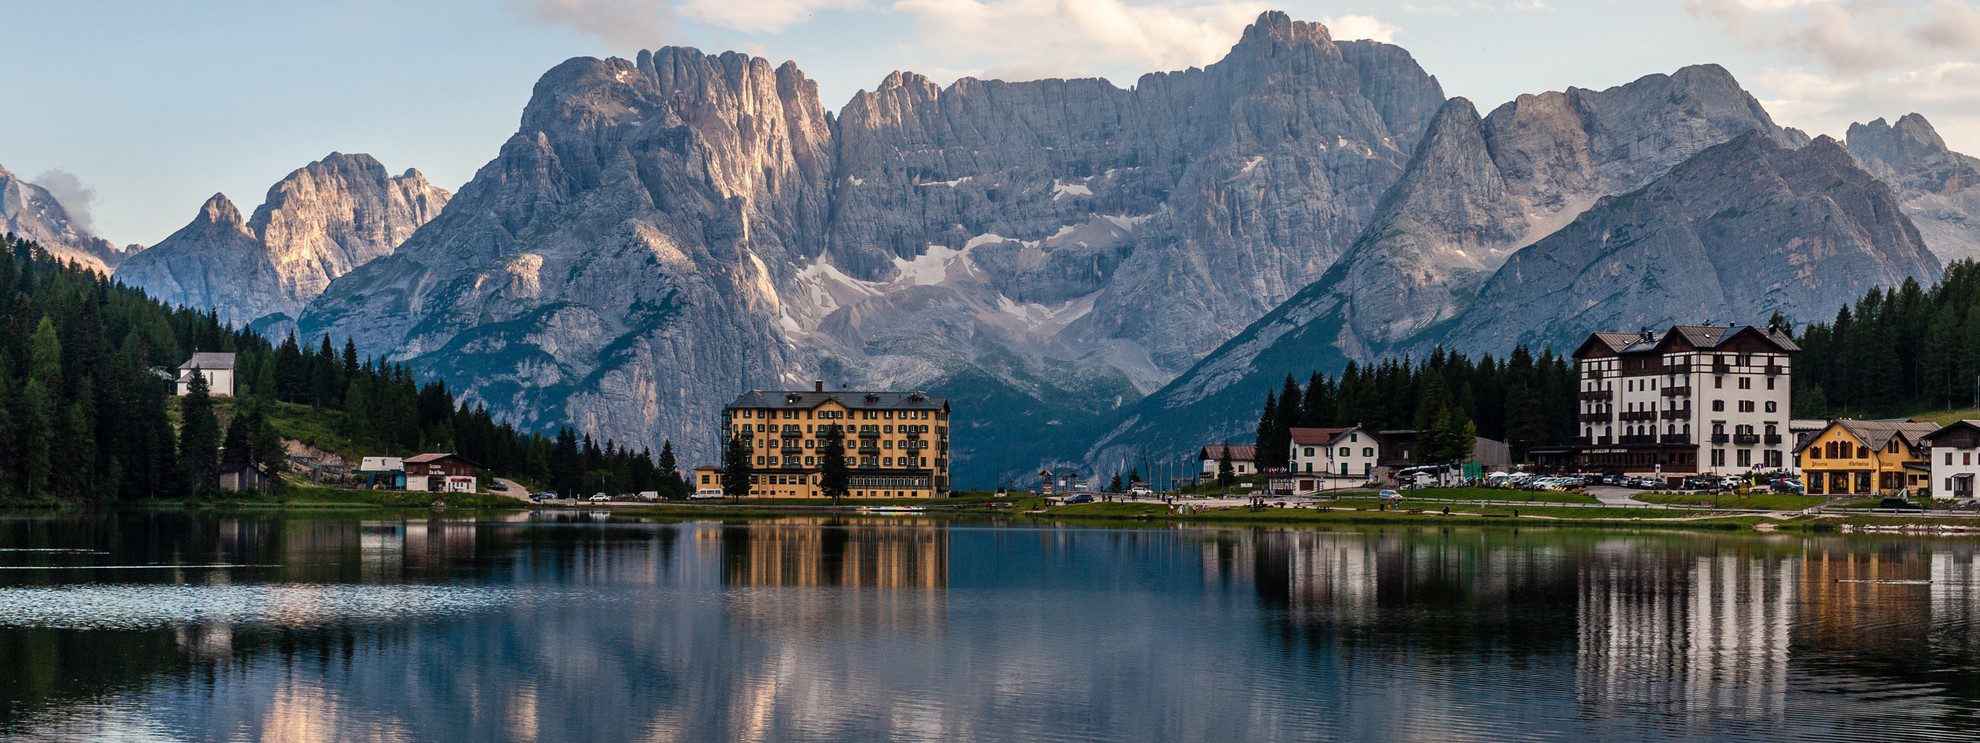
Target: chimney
(818, 385)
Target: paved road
(1614, 496)
(512, 489)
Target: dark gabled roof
(1239, 452)
(209, 361)
(1967, 423)
(851, 399)
(1702, 337)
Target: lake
(303, 627)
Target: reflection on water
(444, 629)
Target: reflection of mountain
(884, 630)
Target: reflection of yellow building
(896, 443)
(1852, 457)
(784, 553)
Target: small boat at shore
(891, 509)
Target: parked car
(600, 498)
(1080, 498)
(1390, 495)
(541, 497)
(1140, 490)
(649, 495)
(706, 494)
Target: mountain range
(1096, 274)
(315, 225)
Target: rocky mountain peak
(219, 211)
(1938, 188)
(316, 223)
(1277, 26)
(1903, 145)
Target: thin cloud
(1030, 39)
(623, 24)
(77, 199)
(761, 16)
(1839, 61)
(1361, 27)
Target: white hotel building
(1691, 399)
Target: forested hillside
(1524, 400)
(87, 416)
(1895, 352)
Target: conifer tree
(835, 476)
(199, 438)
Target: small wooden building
(242, 477)
(442, 472)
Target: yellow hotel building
(1856, 457)
(897, 443)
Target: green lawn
(1500, 494)
(301, 494)
(1943, 417)
(1767, 501)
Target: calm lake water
(302, 628)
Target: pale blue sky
(156, 105)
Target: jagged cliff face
(1739, 232)
(316, 224)
(1939, 188)
(29, 211)
(618, 265)
(665, 232)
(1475, 191)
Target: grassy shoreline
(1484, 508)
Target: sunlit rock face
(31, 213)
(666, 231)
(316, 224)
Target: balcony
(869, 434)
(1745, 439)
(1594, 417)
(1678, 391)
(1677, 414)
(1635, 440)
(1720, 438)
(792, 433)
(1597, 394)
(1773, 370)
(1722, 368)
(1676, 438)
(1638, 415)
(1678, 369)
(1771, 439)
(1591, 440)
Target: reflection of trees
(1893, 614)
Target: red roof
(435, 457)
(1315, 436)
(1240, 452)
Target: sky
(133, 112)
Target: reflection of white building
(1708, 637)
(1955, 589)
